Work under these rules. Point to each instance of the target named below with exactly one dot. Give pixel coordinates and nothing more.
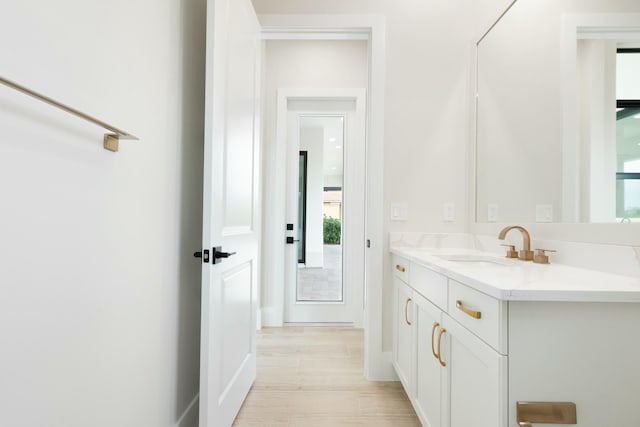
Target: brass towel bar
(111, 139)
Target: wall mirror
(558, 113)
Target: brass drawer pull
(442, 362)
(400, 268)
(475, 314)
(545, 413)
(406, 309)
(433, 339)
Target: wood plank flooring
(312, 376)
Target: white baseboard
(270, 318)
(190, 416)
(384, 371)
(388, 370)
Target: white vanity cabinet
(477, 379)
(467, 358)
(430, 375)
(403, 340)
(452, 377)
(416, 323)
(476, 336)
(582, 352)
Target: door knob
(290, 240)
(218, 254)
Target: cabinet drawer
(479, 313)
(429, 284)
(400, 268)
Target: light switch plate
(449, 212)
(492, 212)
(544, 213)
(399, 211)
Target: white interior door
(231, 211)
(347, 305)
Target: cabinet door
(403, 333)
(477, 379)
(429, 374)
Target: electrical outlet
(544, 213)
(399, 211)
(492, 212)
(449, 212)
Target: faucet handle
(511, 252)
(541, 257)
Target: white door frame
(377, 363)
(354, 211)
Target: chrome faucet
(526, 254)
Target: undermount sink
(477, 260)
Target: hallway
(311, 376)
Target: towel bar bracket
(111, 142)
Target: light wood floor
(312, 376)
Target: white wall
(99, 293)
(312, 141)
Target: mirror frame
(573, 27)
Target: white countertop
(515, 280)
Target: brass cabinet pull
(475, 314)
(400, 268)
(433, 332)
(528, 413)
(406, 309)
(442, 362)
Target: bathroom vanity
(475, 333)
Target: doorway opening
(332, 27)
